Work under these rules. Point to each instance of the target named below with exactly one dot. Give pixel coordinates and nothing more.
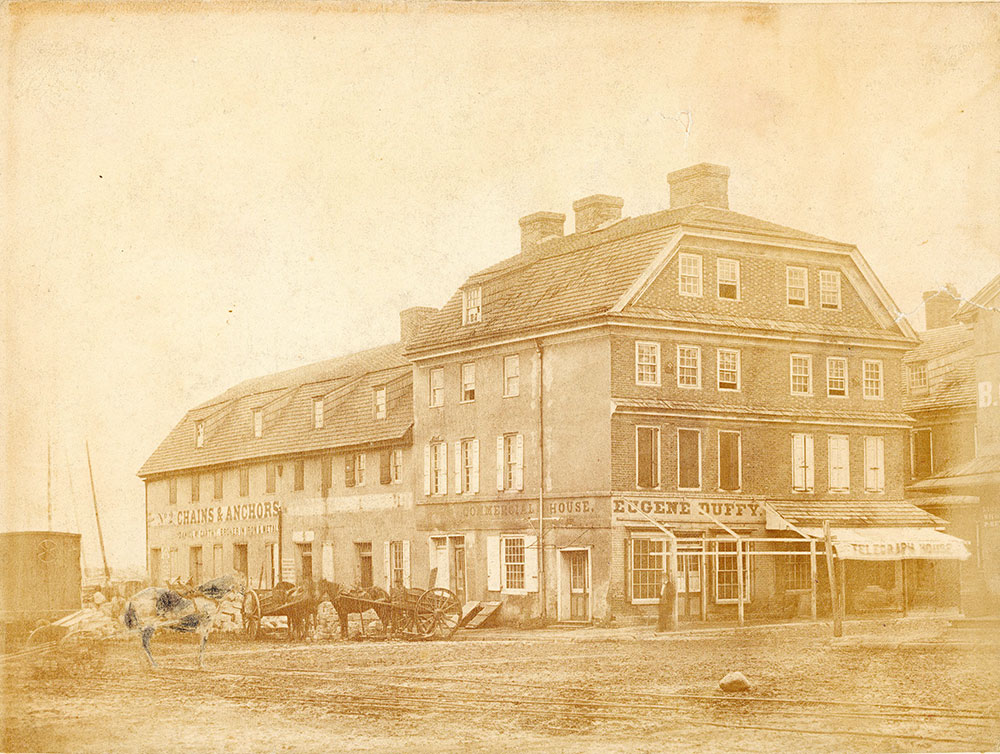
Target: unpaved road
(887, 686)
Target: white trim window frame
(836, 384)
(472, 306)
(650, 552)
(513, 564)
(916, 376)
(739, 458)
(689, 358)
(731, 584)
(438, 468)
(689, 275)
(468, 374)
(799, 369)
(829, 289)
(839, 462)
(872, 382)
(796, 286)
(727, 273)
(435, 387)
(647, 363)
(655, 458)
(727, 360)
(511, 375)
(698, 468)
(395, 466)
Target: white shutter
(327, 567)
(500, 463)
(385, 564)
(458, 467)
(519, 463)
(406, 563)
(443, 467)
(871, 477)
(427, 469)
(531, 563)
(879, 463)
(493, 564)
(798, 456)
(810, 468)
(475, 466)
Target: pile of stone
(229, 619)
(327, 623)
(93, 622)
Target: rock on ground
(734, 681)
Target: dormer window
(380, 402)
(199, 434)
(258, 422)
(918, 376)
(472, 306)
(317, 413)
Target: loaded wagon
(293, 602)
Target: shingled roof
(951, 383)
(853, 513)
(985, 298)
(345, 384)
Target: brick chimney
(540, 226)
(411, 320)
(592, 211)
(703, 183)
(940, 306)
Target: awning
(892, 543)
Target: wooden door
(579, 587)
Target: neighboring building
(296, 476)
(693, 373)
(963, 483)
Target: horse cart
(412, 614)
(295, 603)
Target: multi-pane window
(358, 464)
(689, 278)
(874, 464)
(438, 471)
(217, 485)
(172, 490)
(395, 465)
(317, 413)
(647, 451)
(801, 374)
(647, 363)
(396, 565)
(512, 549)
(300, 474)
(688, 366)
(836, 376)
(271, 477)
(468, 382)
(379, 401)
(510, 462)
(511, 375)
(838, 451)
(829, 289)
(467, 466)
(728, 368)
(199, 434)
(727, 568)
(921, 453)
(730, 461)
(872, 379)
(917, 375)
(796, 286)
(803, 471)
(728, 274)
(472, 312)
(797, 569)
(258, 422)
(436, 387)
(646, 565)
(244, 481)
(195, 487)
(688, 459)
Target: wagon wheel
(437, 614)
(251, 614)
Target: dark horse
(192, 612)
(357, 600)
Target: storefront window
(647, 561)
(726, 570)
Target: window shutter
(427, 469)
(798, 459)
(406, 563)
(458, 467)
(443, 467)
(475, 466)
(810, 469)
(628, 569)
(384, 461)
(879, 463)
(385, 567)
(644, 449)
(493, 563)
(500, 462)
(519, 463)
(531, 551)
(349, 470)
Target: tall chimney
(703, 183)
(592, 211)
(539, 226)
(940, 306)
(411, 320)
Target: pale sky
(200, 196)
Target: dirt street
(887, 686)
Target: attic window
(317, 413)
(472, 310)
(199, 434)
(829, 289)
(918, 376)
(380, 402)
(258, 422)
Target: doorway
(305, 561)
(689, 578)
(365, 573)
(574, 585)
(240, 562)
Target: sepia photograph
(488, 376)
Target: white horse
(157, 607)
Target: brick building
(694, 381)
(294, 476)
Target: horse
(156, 607)
(356, 600)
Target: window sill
(728, 389)
(647, 384)
(689, 489)
(689, 387)
(516, 592)
(734, 601)
(653, 601)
